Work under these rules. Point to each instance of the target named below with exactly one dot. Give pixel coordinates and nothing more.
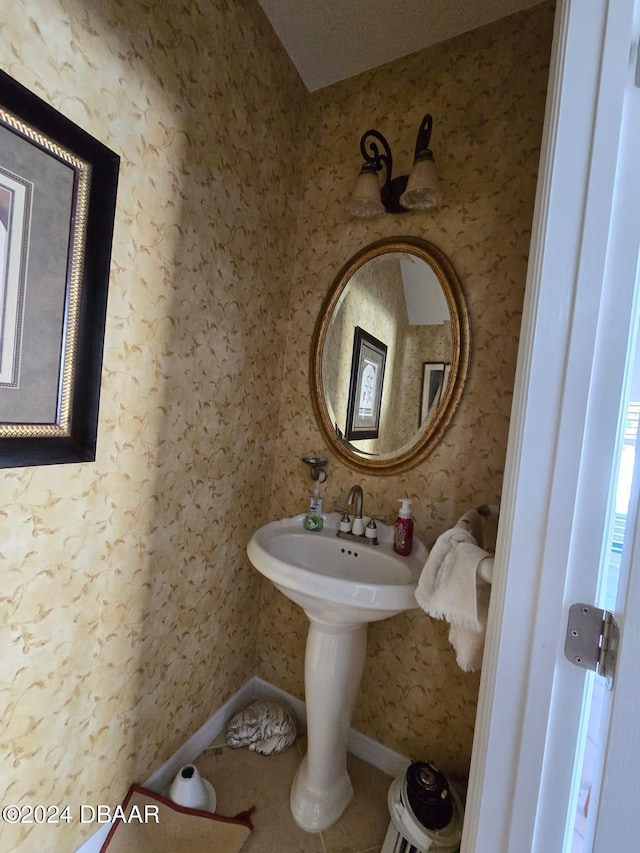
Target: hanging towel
(472, 522)
(450, 588)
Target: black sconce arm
(422, 150)
(375, 159)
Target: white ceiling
(330, 40)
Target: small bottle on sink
(403, 529)
(313, 519)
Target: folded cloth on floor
(152, 823)
(449, 588)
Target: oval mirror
(389, 355)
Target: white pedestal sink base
(342, 585)
(334, 660)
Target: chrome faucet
(358, 532)
(356, 492)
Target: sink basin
(335, 579)
(342, 585)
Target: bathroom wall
(486, 91)
(128, 612)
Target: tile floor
(243, 779)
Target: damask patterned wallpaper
(128, 610)
(486, 91)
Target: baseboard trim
(201, 739)
(362, 746)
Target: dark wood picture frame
(55, 275)
(367, 380)
(435, 376)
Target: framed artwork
(57, 207)
(365, 387)
(435, 375)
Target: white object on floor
(189, 789)
(266, 727)
(406, 832)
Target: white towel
(449, 588)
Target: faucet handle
(371, 530)
(345, 521)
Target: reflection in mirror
(396, 299)
(390, 355)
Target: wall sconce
(417, 191)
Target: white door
(572, 380)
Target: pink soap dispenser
(403, 529)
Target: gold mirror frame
(434, 430)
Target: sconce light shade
(365, 201)
(418, 191)
(423, 190)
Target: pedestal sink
(342, 585)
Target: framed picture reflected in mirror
(366, 385)
(435, 375)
